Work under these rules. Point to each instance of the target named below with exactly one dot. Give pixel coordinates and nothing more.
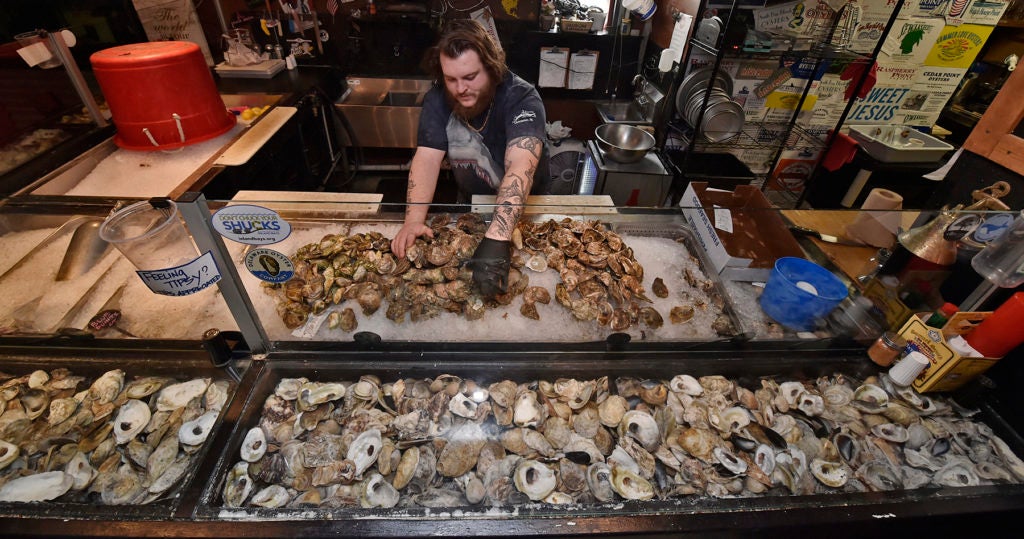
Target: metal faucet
(645, 96)
(639, 86)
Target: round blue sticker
(252, 225)
(269, 265)
(992, 227)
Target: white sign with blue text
(251, 225)
(183, 280)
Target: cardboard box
(742, 233)
(887, 301)
(948, 370)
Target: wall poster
(957, 46)
(172, 20)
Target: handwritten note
(554, 66)
(582, 68)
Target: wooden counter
(850, 259)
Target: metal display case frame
(262, 362)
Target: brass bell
(928, 241)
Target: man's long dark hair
(459, 36)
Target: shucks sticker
(251, 225)
(269, 265)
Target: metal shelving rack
(774, 136)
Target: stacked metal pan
(722, 117)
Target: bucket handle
(177, 121)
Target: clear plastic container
(151, 237)
(1002, 259)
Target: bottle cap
(906, 370)
(962, 347)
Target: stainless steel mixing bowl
(623, 143)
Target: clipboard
(582, 69)
(554, 67)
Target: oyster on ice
(238, 485)
(36, 488)
(107, 386)
(177, 396)
(196, 431)
(630, 485)
(377, 492)
(133, 416)
(254, 445)
(8, 453)
(271, 497)
(534, 479)
(642, 427)
(364, 450)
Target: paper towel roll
(876, 227)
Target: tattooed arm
(521, 157)
(426, 165)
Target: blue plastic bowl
(795, 307)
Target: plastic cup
(1002, 259)
(151, 238)
(642, 9)
(32, 39)
(799, 293)
(906, 370)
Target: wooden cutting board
(252, 140)
(557, 204)
(851, 259)
(263, 70)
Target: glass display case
(630, 381)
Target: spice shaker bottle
(904, 372)
(887, 348)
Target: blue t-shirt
(478, 159)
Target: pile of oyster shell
(431, 279)
(599, 277)
(110, 440)
(448, 442)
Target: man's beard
(483, 102)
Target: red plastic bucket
(161, 95)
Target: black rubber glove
(490, 266)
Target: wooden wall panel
(993, 137)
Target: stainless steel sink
(403, 99)
(382, 112)
(622, 112)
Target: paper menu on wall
(582, 67)
(554, 66)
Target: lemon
(248, 114)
